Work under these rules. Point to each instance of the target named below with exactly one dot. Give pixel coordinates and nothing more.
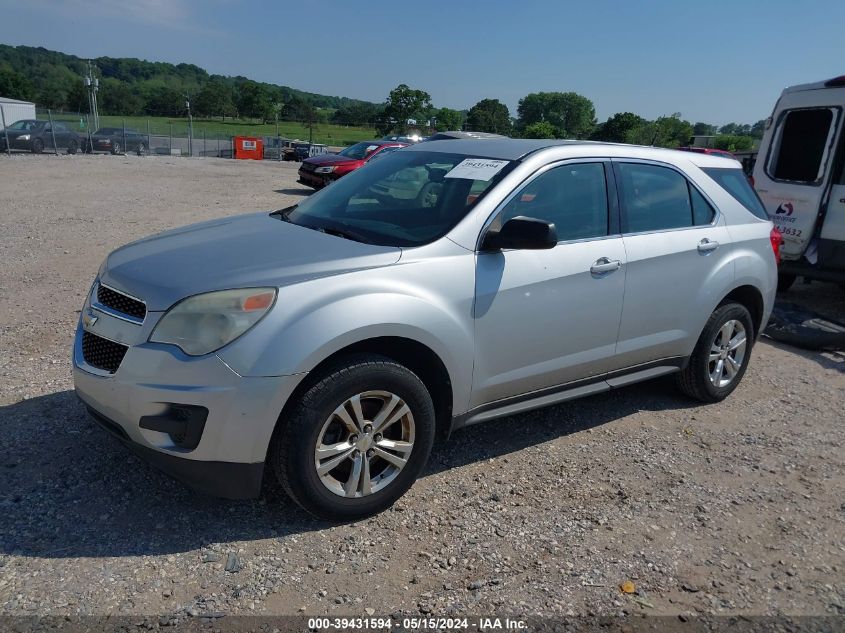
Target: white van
(800, 176)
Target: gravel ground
(736, 508)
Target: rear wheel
(72, 146)
(116, 148)
(721, 355)
(356, 440)
(785, 281)
(142, 149)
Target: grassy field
(323, 133)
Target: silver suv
(455, 281)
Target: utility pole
(92, 86)
(190, 126)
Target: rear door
(793, 170)
(678, 252)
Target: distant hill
(131, 86)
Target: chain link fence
(60, 132)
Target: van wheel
(356, 440)
(785, 281)
(721, 355)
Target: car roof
(517, 149)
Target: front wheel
(72, 146)
(37, 146)
(116, 148)
(721, 355)
(356, 440)
(142, 149)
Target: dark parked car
(36, 136)
(114, 140)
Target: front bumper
(311, 179)
(242, 412)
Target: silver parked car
(451, 282)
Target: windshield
(359, 150)
(21, 125)
(404, 199)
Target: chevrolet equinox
(328, 344)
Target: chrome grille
(120, 302)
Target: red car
(319, 171)
(709, 150)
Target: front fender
(313, 320)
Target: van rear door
(832, 235)
(793, 172)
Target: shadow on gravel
(296, 191)
(71, 490)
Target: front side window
(800, 148)
(403, 199)
(573, 197)
(657, 198)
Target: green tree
(403, 103)
(117, 97)
(758, 129)
(617, 127)
(489, 115)
(15, 85)
(541, 129)
(666, 131)
(253, 101)
(448, 119)
(573, 115)
(734, 143)
(704, 129)
(216, 98)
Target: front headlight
(324, 170)
(24, 137)
(204, 323)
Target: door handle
(706, 245)
(604, 265)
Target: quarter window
(572, 196)
(657, 198)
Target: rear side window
(800, 146)
(657, 198)
(736, 183)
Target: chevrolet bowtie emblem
(88, 319)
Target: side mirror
(522, 233)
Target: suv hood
(237, 252)
(329, 159)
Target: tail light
(777, 240)
(751, 181)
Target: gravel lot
(735, 508)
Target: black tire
(142, 149)
(785, 281)
(116, 148)
(694, 380)
(72, 146)
(293, 446)
(37, 146)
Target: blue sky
(711, 61)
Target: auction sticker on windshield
(477, 169)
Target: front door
(544, 318)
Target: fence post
(170, 141)
(149, 143)
(90, 147)
(218, 145)
(5, 131)
(278, 142)
(204, 142)
(53, 132)
(125, 149)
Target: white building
(14, 110)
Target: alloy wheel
(364, 444)
(727, 353)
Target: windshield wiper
(344, 233)
(283, 214)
